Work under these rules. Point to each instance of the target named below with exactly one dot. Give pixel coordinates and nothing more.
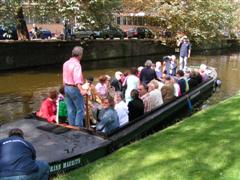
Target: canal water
(22, 91)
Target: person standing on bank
(73, 81)
(18, 159)
(185, 52)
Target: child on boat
(48, 107)
(61, 107)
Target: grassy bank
(204, 146)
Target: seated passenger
(158, 84)
(144, 95)
(135, 106)
(177, 91)
(102, 86)
(198, 76)
(61, 107)
(202, 71)
(48, 107)
(116, 81)
(155, 95)
(140, 68)
(193, 79)
(147, 74)
(121, 108)
(158, 70)
(110, 88)
(168, 90)
(108, 117)
(182, 81)
(132, 82)
(94, 101)
(172, 66)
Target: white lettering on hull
(64, 165)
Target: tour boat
(66, 148)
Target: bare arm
(179, 42)
(189, 53)
(82, 91)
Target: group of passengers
(115, 101)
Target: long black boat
(65, 149)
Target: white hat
(118, 75)
(139, 68)
(203, 67)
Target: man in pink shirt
(73, 80)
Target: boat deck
(53, 147)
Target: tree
(90, 13)
(199, 19)
(11, 12)
(21, 25)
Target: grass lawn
(204, 146)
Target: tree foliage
(11, 12)
(199, 19)
(94, 13)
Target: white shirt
(122, 111)
(155, 98)
(132, 83)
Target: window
(118, 20)
(124, 20)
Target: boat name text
(64, 165)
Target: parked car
(110, 32)
(81, 33)
(140, 33)
(44, 34)
(8, 32)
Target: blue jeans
(41, 174)
(75, 105)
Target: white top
(132, 83)
(176, 89)
(122, 111)
(101, 89)
(155, 98)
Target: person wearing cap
(18, 159)
(185, 52)
(116, 81)
(147, 74)
(74, 92)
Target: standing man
(18, 159)
(73, 81)
(185, 52)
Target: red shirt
(48, 110)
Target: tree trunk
(21, 25)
